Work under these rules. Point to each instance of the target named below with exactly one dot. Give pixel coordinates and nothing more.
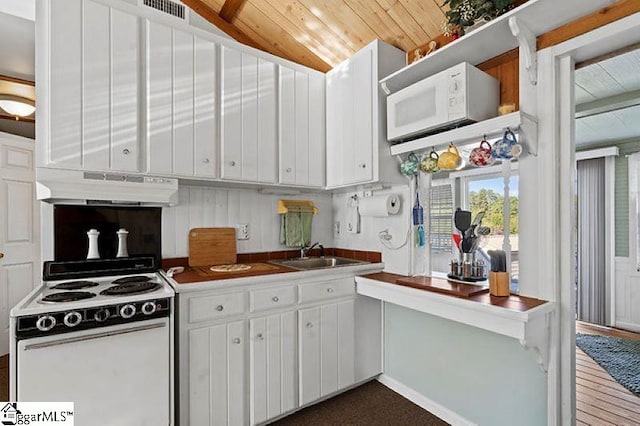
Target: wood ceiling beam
(17, 80)
(230, 9)
(204, 10)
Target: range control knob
(73, 318)
(149, 308)
(127, 311)
(101, 315)
(45, 323)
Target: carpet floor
(370, 404)
(620, 357)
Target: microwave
(459, 95)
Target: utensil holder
(499, 283)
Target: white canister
(122, 243)
(93, 253)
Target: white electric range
(100, 334)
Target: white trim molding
(611, 151)
(422, 401)
(555, 192)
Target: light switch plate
(242, 231)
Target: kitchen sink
(308, 263)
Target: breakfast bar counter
(523, 318)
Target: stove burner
(131, 288)
(74, 285)
(132, 279)
(67, 296)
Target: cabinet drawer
(212, 307)
(326, 290)
(272, 298)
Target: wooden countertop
(513, 302)
(203, 273)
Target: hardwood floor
(600, 400)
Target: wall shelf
(523, 124)
(531, 327)
(494, 38)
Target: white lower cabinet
(326, 350)
(216, 372)
(260, 352)
(272, 366)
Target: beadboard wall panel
(396, 261)
(220, 207)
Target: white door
(19, 227)
(273, 366)
(205, 108)
(327, 350)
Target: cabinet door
(231, 114)
(287, 125)
(339, 109)
(273, 366)
(96, 65)
(267, 122)
(125, 103)
(205, 108)
(216, 375)
(65, 84)
(360, 159)
(182, 87)
(326, 350)
(110, 89)
(159, 98)
(317, 142)
(302, 141)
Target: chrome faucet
(305, 250)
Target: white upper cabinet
(92, 114)
(249, 126)
(180, 102)
(302, 136)
(357, 150)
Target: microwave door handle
(93, 336)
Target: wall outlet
(242, 231)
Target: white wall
(205, 206)
(396, 261)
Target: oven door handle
(93, 336)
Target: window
(486, 193)
(441, 216)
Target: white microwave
(459, 95)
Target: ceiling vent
(169, 7)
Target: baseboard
(422, 401)
(628, 326)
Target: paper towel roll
(381, 205)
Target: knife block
(499, 283)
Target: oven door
(118, 375)
(418, 108)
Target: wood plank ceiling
(608, 100)
(322, 33)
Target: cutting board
(212, 246)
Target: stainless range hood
(79, 187)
